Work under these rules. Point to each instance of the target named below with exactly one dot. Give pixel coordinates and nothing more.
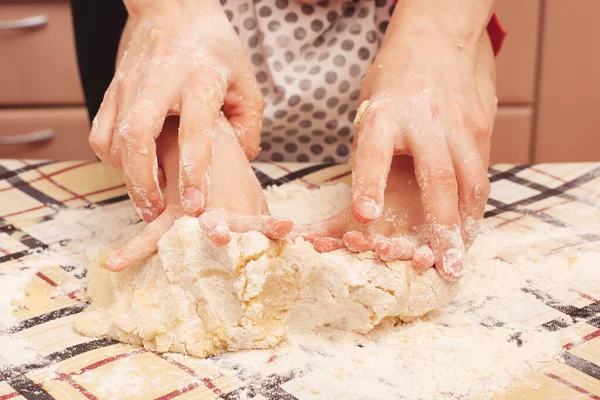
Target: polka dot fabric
(309, 60)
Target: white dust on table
(73, 236)
(474, 348)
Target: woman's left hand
(423, 102)
(218, 220)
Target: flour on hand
(198, 299)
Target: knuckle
(144, 194)
(193, 130)
(154, 196)
(482, 127)
(376, 115)
(98, 143)
(480, 190)
(442, 176)
(123, 130)
(375, 119)
(159, 55)
(477, 190)
(138, 124)
(126, 84)
(212, 81)
(368, 152)
(259, 102)
(109, 95)
(115, 159)
(252, 151)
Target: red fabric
(496, 32)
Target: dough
(195, 298)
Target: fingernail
(281, 227)
(220, 234)
(385, 247)
(453, 264)
(114, 263)
(368, 208)
(147, 215)
(220, 231)
(193, 200)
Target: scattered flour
(15, 352)
(474, 348)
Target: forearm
(138, 8)
(460, 21)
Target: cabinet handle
(28, 138)
(34, 22)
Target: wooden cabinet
(38, 55)
(548, 75)
(548, 82)
(516, 86)
(58, 133)
(41, 101)
(517, 62)
(568, 114)
(511, 138)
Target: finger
(439, 192)
(142, 245)
(423, 258)
(115, 149)
(102, 137)
(101, 134)
(359, 241)
(333, 227)
(137, 134)
(374, 148)
(200, 111)
(272, 227)
(399, 248)
(127, 82)
(215, 227)
(473, 184)
(244, 106)
(326, 244)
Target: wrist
(138, 9)
(458, 24)
(412, 43)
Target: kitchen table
(524, 199)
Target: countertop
(526, 200)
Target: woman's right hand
(184, 58)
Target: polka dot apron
(309, 61)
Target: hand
(183, 58)
(342, 231)
(245, 209)
(423, 102)
(400, 233)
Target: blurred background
(548, 82)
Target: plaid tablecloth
(524, 198)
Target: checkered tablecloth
(524, 198)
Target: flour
(473, 348)
(84, 224)
(14, 277)
(202, 300)
(12, 291)
(303, 206)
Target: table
(524, 199)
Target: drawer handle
(37, 21)
(28, 138)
